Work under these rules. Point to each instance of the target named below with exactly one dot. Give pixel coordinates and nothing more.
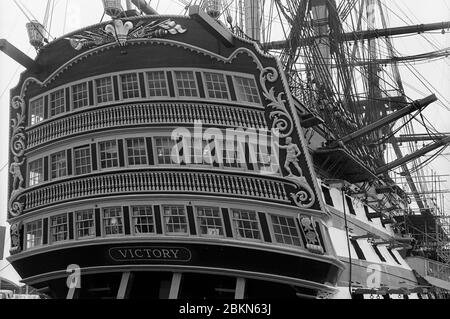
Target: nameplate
(146, 253)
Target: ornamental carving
(15, 238)
(121, 32)
(283, 127)
(281, 120)
(311, 236)
(17, 146)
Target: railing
(146, 113)
(167, 182)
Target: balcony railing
(145, 182)
(145, 113)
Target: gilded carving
(282, 125)
(17, 146)
(121, 32)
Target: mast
(253, 19)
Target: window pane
(164, 146)
(210, 221)
(285, 230)
(37, 111)
(216, 86)
(57, 103)
(175, 220)
(33, 234)
(108, 154)
(82, 158)
(186, 83)
(80, 95)
(58, 164)
(104, 90)
(156, 83)
(247, 90)
(85, 223)
(136, 152)
(59, 228)
(112, 221)
(130, 86)
(143, 220)
(246, 224)
(36, 172)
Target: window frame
(147, 82)
(96, 95)
(42, 179)
(205, 86)
(236, 232)
(72, 100)
(50, 164)
(273, 235)
(50, 109)
(30, 113)
(176, 88)
(26, 241)
(126, 156)
(198, 223)
(133, 224)
(247, 77)
(76, 222)
(121, 90)
(99, 152)
(155, 150)
(102, 220)
(163, 217)
(74, 159)
(50, 226)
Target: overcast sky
(85, 12)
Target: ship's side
(100, 206)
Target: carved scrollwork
(121, 32)
(15, 238)
(305, 197)
(281, 120)
(17, 146)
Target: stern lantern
(36, 34)
(113, 8)
(213, 8)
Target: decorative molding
(283, 126)
(312, 238)
(121, 32)
(282, 122)
(15, 238)
(18, 147)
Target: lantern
(35, 34)
(212, 8)
(113, 8)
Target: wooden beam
(364, 34)
(412, 156)
(175, 286)
(223, 34)
(416, 105)
(240, 289)
(124, 287)
(17, 55)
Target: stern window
(247, 90)
(186, 83)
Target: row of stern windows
(160, 220)
(152, 84)
(139, 152)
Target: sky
(81, 13)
